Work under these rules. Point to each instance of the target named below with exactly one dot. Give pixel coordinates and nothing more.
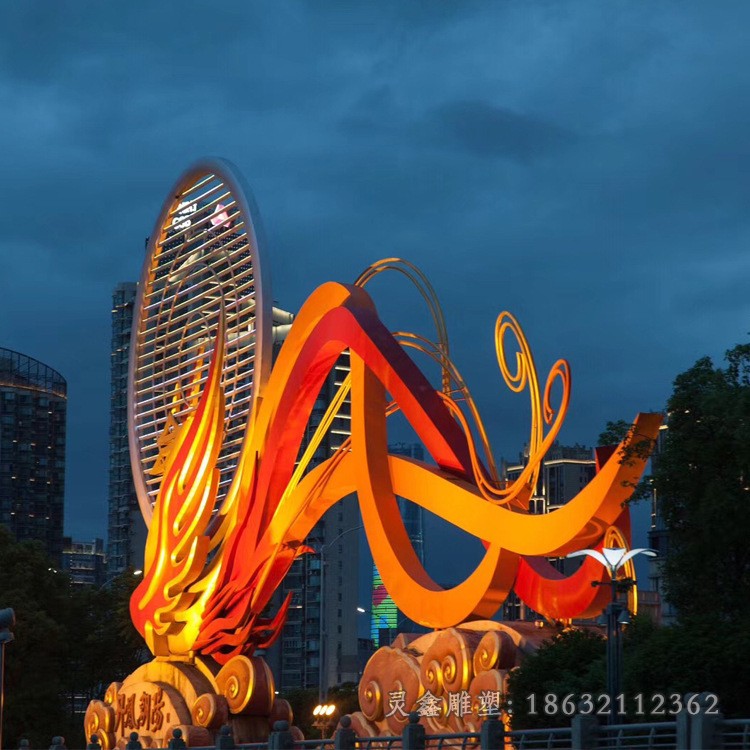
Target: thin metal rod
(322, 692)
(2, 689)
(322, 667)
(614, 651)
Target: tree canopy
(691, 657)
(702, 480)
(570, 663)
(614, 432)
(70, 643)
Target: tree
(35, 660)
(639, 448)
(570, 663)
(104, 646)
(346, 697)
(702, 480)
(691, 657)
(71, 642)
(614, 433)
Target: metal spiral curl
(425, 288)
(524, 376)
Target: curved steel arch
(189, 229)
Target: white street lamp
(613, 559)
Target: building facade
(319, 647)
(126, 530)
(658, 540)
(33, 408)
(565, 471)
(84, 562)
(386, 619)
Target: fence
(699, 731)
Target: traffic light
(7, 621)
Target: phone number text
(657, 704)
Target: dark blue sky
(583, 165)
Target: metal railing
(526, 739)
(697, 731)
(647, 736)
(735, 734)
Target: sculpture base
(197, 696)
(455, 679)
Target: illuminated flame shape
(178, 543)
(207, 582)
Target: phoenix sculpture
(226, 484)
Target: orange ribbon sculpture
(206, 585)
(217, 549)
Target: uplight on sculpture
(216, 434)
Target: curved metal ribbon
(269, 510)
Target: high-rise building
(319, 643)
(33, 404)
(565, 471)
(658, 540)
(84, 562)
(385, 618)
(126, 537)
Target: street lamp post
(616, 613)
(322, 671)
(136, 573)
(7, 621)
(326, 716)
(395, 630)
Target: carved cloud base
(454, 678)
(198, 696)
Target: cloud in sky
(582, 165)
(487, 131)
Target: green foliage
(614, 433)
(346, 697)
(638, 449)
(69, 642)
(571, 662)
(303, 702)
(693, 657)
(35, 660)
(703, 483)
